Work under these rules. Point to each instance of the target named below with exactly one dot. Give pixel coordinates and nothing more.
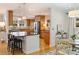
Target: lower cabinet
(31, 44)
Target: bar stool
(17, 44)
(14, 43)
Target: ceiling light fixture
(24, 11)
(19, 11)
(74, 13)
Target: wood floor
(3, 50)
(43, 45)
(44, 48)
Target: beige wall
(57, 17)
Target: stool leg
(8, 46)
(21, 46)
(12, 50)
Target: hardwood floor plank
(4, 51)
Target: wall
(72, 26)
(3, 34)
(6, 22)
(57, 17)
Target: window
(77, 22)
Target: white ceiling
(39, 7)
(29, 6)
(66, 7)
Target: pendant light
(19, 11)
(24, 11)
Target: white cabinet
(31, 44)
(19, 23)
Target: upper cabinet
(30, 22)
(19, 23)
(41, 18)
(44, 21)
(10, 17)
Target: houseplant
(73, 37)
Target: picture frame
(77, 22)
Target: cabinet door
(18, 23)
(29, 22)
(10, 17)
(15, 23)
(21, 23)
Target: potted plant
(73, 37)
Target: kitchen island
(30, 42)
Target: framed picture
(77, 22)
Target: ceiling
(66, 7)
(29, 7)
(39, 7)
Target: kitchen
(31, 30)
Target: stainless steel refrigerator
(36, 27)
